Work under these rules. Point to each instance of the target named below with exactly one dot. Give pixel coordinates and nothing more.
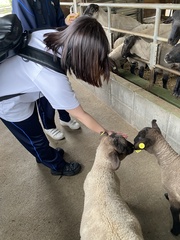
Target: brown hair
(85, 49)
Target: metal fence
(155, 37)
(78, 7)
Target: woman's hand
(110, 132)
(90, 122)
(71, 17)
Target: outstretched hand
(120, 133)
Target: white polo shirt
(19, 76)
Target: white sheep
(116, 53)
(106, 216)
(136, 46)
(148, 29)
(151, 140)
(118, 21)
(118, 58)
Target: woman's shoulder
(39, 34)
(37, 38)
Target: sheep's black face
(146, 138)
(175, 31)
(91, 10)
(174, 55)
(175, 35)
(115, 147)
(121, 145)
(128, 44)
(142, 141)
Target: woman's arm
(89, 121)
(86, 119)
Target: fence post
(154, 46)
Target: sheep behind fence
(174, 35)
(118, 21)
(136, 46)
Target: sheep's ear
(146, 142)
(154, 125)
(115, 162)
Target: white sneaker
(72, 124)
(54, 133)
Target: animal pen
(134, 9)
(159, 91)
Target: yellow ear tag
(141, 145)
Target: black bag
(13, 41)
(11, 36)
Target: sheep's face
(121, 145)
(146, 138)
(92, 10)
(175, 31)
(128, 44)
(117, 148)
(174, 55)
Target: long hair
(85, 50)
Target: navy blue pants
(47, 114)
(30, 134)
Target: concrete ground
(36, 205)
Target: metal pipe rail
(157, 65)
(155, 38)
(136, 33)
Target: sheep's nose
(172, 41)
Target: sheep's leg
(165, 80)
(176, 223)
(133, 67)
(122, 65)
(176, 91)
(155, 77)
(141, 71)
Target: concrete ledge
(138, 107)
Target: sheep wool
(169, 162)
(106, 216)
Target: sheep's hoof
(175, 231)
